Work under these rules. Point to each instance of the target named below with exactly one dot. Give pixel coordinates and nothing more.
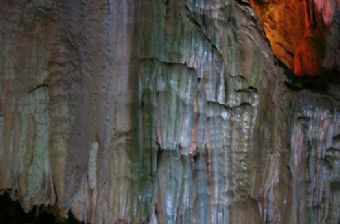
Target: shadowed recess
(11, 212)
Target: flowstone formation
(161, 112)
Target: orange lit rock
(283, 23)
(303, 34)
(309, 54)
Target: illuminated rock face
(304, 35)
(284, 25)
(160, 112)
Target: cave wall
(304, 34)
(160, 112)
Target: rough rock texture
(304, 35)
(314, 161)
(160, 112)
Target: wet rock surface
(161, 112)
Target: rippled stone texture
(158, 112)
(314, 164)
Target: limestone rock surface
(161, 112)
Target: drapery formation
(161, 112)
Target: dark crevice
(169, 63)
(199, 26)
(243, 2)
(243, 104)
(249, 89)
(159, 152)
(290, 53)
(11, 212)
(318, 84)
(42, 85)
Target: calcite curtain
(162, 112)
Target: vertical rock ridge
(160, 112)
